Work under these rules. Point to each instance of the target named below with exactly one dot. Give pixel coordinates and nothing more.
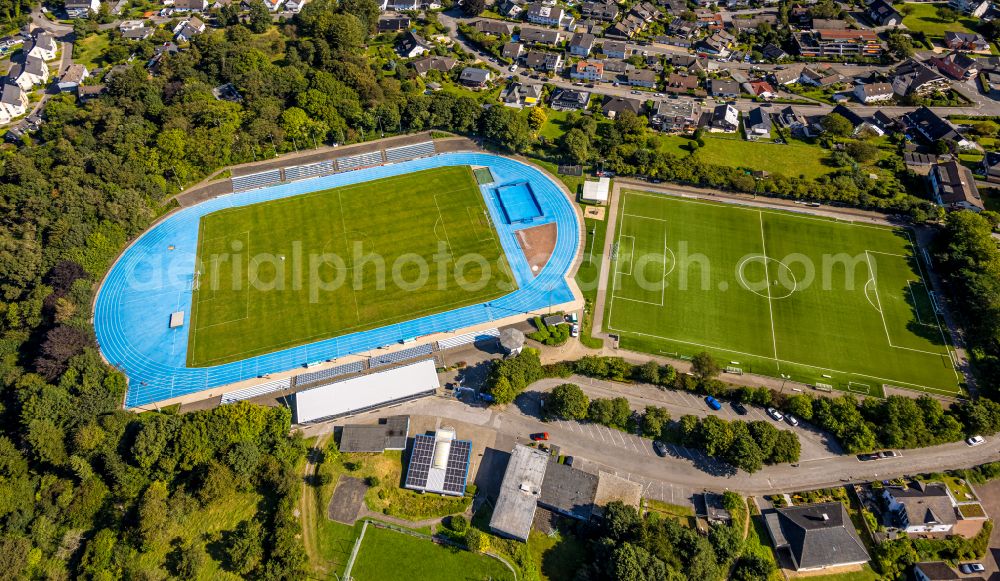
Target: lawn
(88, 50)
(555, 124)
(775, 293)
(556, 557)
(588, 276)
(865, 574)
(924, 19)
(387, 555)
(792, 159)
(388, 497)
(348, 268)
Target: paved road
(684, 471)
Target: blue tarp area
(518, 202)
(154, 276)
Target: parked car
(568, 461)
(775, 414)
(513, 68)
(574, 330)
(713, 403)
(792, 420)
(660, 447)
(971, 568)
(739, 408)
(975, 440)
(868, 457)
(539, 437)
(889, 454)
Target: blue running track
(150, 281)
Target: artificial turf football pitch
(267, 275)
(819, 301)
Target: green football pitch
(820, 301)
(293, 271)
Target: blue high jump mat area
(519, 202)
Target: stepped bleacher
(301, 172)
(360, 160)
(413, 151)
(396, 357)
(256, 390)
(312, 377)
(256, 180)
(469, 338)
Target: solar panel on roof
(420, 460)
(457, 470)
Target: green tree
(800, 405)
(575, 146)
(704, 366)
(862, 151)
(727, 541)
(648, 372)
(536, 118)
(836, 124)
(567, 402)
(946, 14)
(245, 549)
(786, 448)
(153, 517)
(366, 11)
(259, 17)
(752, 568)
(654, 421)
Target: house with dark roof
(928, 508)
(614, 49)
(913, 77)
(581, 44)
(641, 78)
(725, 119)
(494, 27)
(72, 77)
(540, 36)
(389, 434)
(473, 77)
(938, 571)
(974, 8)
(606, 11)
(568, 491)
(859, 123)
(883, 14)
(991, 166)
(569, 100)
(188, 29)
(13, 102)
(613, 106)
(512, 50)
(957, 65)
(724, 88)
(968, 41)
(433, 63)
(773, 52)
(539, 60)
(816, 536)
(757, 124)
(395, 24)
(931, 127)
(412, 45)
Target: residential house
(512, 50)
(928, 508)
(991, 166)
(548, 62)
(774, 53)
(190, 5)
(881, 13)
(494, 27)
(581, 44)
(510, 8)
(615, 49)
(433, 63)
(614, 106)
(588, 71)
(294, 5)
(859, 123)
(394, 24)
(473, 77)
(678, 83)
(540, 36)
(727, 89)
(141, 33)
(547, 15)
(933, 128)
(974, 8)
(968, 41)
(615, 68)
(188, 29)
(42, 45)
(678, 41)
(159, 52)
(874, 92)
(641, 78)
(519, 95)
(920, 163)
(816, 536)
(833, 43)
(82, 8)
(570, 100)
(13, 102)
(682, 61)
(34, 71)
(938, 571)
(718, 44)
(74, 75)
(676, 116)
(792, 120)
(757, 124)
(89, 92)
(787, 76)
(605, 11)
(763, 89)
(725, 119)
(957, 65)
(412, 45)
(913, 77)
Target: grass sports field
(297, 270)
(780, 294)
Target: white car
(775, 414)
(513, 68)
(975, 440)
(575, 330)
(792, 421)
(971, 568)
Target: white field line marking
(767, 277)
(913, 297)
(443, 226)
(871, 275)
(631, 254)
(614, 272)
(641, 217)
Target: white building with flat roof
(596, 192)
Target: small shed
(176, 319)
(596, 192)
(511, 341)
